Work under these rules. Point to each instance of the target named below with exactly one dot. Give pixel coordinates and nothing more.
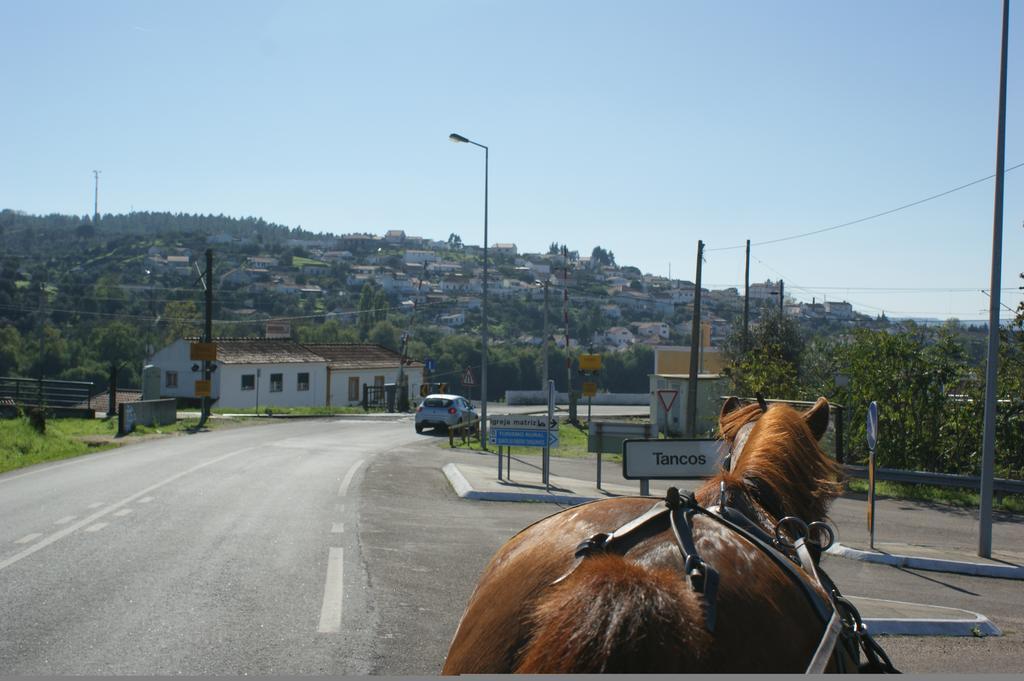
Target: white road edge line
(57, 536)
(29, 537)
(330, 612)
(348, 477)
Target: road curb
(893, 626)
(932, 564)
(465, 490)
(971, 624)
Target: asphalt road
(322, 547)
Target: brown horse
(537, 609)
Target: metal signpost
(590, 365)
(872, 442)
(523, 431)
(684, 459)
(546, 461)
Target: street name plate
(670, 459)
(522, 438)
(518, 421)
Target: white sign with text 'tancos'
(670, 459)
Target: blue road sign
(522, 438)
(429, 364)
(872, 425)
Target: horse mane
(782, 466)
(613, 615)
(729, 424)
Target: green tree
(384, 333)
(909, 375)
(10, 351)
(769, 362)
(119, 343)
(182, 320)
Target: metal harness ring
(798, 524)
(817, 527)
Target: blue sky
(640, 127)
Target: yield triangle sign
(669, 395)
(468, 378)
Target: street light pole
(483, 336)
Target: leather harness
(798, 560)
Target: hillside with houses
(117, 289)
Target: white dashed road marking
(330, 612)
(96, 504)
(96, 528)
(65, 520)
(146, 500)
(348, 477)
(123, 512)
(29, 537)
(60, 534)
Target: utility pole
(988, 442)
(96, 198)
(547, 335)
(746, 302)
(565, 315)
(207, 332)
(691, 387)
(782, 296)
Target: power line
(869, 217)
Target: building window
(353, 389)
(276, 383)
(303, 383)
(171, 379)
(248, 381)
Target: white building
(619, 337)
(420, 257)
(653, 329)
(262, 372)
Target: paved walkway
(474, 475)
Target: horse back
(495, 626)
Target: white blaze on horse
(724, 580)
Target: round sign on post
(872, 425)
(872, 441)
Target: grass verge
(292, 411)
(21, 445)
(572, 444)
(951, 496)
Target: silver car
(444, 411)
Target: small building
(350, 366)
(279, 372)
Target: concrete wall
(540, 397)
(145, 413)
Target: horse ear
(817, 418)
(731, 404)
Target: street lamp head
(455, 137)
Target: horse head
(775, 460)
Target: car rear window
(436, 402)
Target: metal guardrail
(51, 393)
(937, 479)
